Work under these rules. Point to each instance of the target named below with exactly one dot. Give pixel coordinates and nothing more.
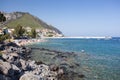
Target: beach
(23, 42)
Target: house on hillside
(5, 30)
(39, 33)
(1, 31)
(10, 31)
(28, 29)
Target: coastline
(81, 37)
(68, 61)
(23, 42)
(17, 60)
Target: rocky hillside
(27, 20)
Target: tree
(4, 37)
(33, 33)
(19, 31)
(2, 17)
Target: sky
(73, 17)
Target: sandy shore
(22, 42)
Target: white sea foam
(86, 37)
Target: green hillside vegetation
(26, 20)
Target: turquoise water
(99, 59)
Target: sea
(99, 58)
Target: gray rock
(17, 63)
(60, 71)
(16, 69)
(37, 71)
(5, 56)
(52, 74)
(3, 77)
(6, 68)
(51, 78)
(11, 49)
(21, 50)
(24, 64)
(10, 57)
(24, 49)
(31, 63)
(28, 50)
(30, 76)
(44, 70)
(2, 46)
(53, 67)
(14, 54)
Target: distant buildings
(50, 33)
(1, 31)
(6, 31)
(28, 29)
(45, 32)
(40, 32)
(11, 31)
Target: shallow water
(99, 59)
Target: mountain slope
(27, 20)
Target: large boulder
(41, 70)
(24, 64)
(6, 68)
(28, 50)
(23, 50)
(16, 69)
(30, 76)
(5, 56)
(60, 71)
(31, 64)
(10, 49)
(54, 67)
(10, 57)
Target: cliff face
(27, 20)
(14, 15)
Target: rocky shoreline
(15, 64)
(72, 69)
